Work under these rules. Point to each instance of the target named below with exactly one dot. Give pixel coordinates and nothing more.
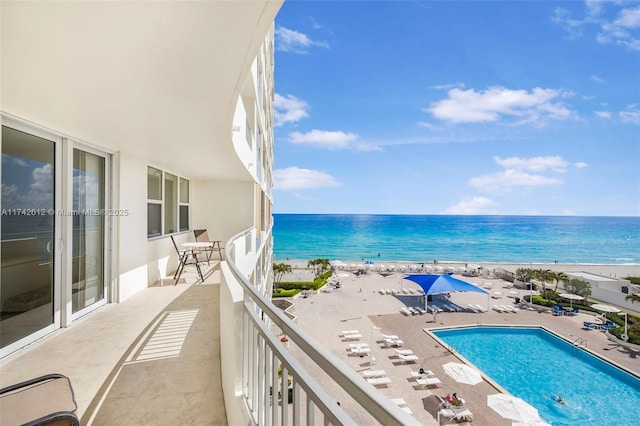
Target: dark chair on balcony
(202, 236)
(44, 400)
(185, 258)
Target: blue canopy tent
(441, 283)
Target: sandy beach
(360, 305)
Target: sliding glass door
(54, 233)
(28, 237)
(89, 222)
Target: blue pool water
(536, 366)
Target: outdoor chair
(458, 413)
(202, 236)
(43, 400)
(185, 258)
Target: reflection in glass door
(28, 224)
(89, 216)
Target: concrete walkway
(151, 360)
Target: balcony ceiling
(157, 80)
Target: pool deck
(324, 315)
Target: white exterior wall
(607, 289)
(154, 84)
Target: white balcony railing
(260, 375)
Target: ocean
(417, 238)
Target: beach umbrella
(571, 297)
(462, 373)
(511, 407)
(531, 423)
(605, 308)
(441, 283)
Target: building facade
(123, 124)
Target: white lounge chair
(360, 351)
(418, 375)
(389, 336)
(352, 336)
(428, 381)
(405, 311)
(512, 308)
(377, 381)
(473, 308)
(373, 373)
(345, 332)
(358, 345)
(409, 358)
(460, 413)
(403, 351)
(498, 308)
(480, 308)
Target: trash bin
(517, 300)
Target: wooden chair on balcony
(202, 236)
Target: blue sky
(434, 107)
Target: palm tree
(633, 297)
(560, 276)
(319, 265)
(523, 275)
(543, 276)
(279, 269)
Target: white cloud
(508, 179)
(603, 114)
(613, 26)
(288, 40)
(580, 165)
(324, 138)
(289, 109)
(631, 115)
(535, 164)
(294, 178)
(39, 194)
(458, 85)
(499, 103)
(596, 79)
(473, 205)
(429, 126)
(629, 18)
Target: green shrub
(285, 293)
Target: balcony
(166, 354)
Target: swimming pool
(537, 366)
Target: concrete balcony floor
(151, 360)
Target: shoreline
(616, 270)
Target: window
(167, 203)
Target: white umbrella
(513, 408)
(604, 309)
(531, 423)
(462, 373)
(571, 297)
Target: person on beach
(435, 316)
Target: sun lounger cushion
(42, 400)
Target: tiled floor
(151, 360)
